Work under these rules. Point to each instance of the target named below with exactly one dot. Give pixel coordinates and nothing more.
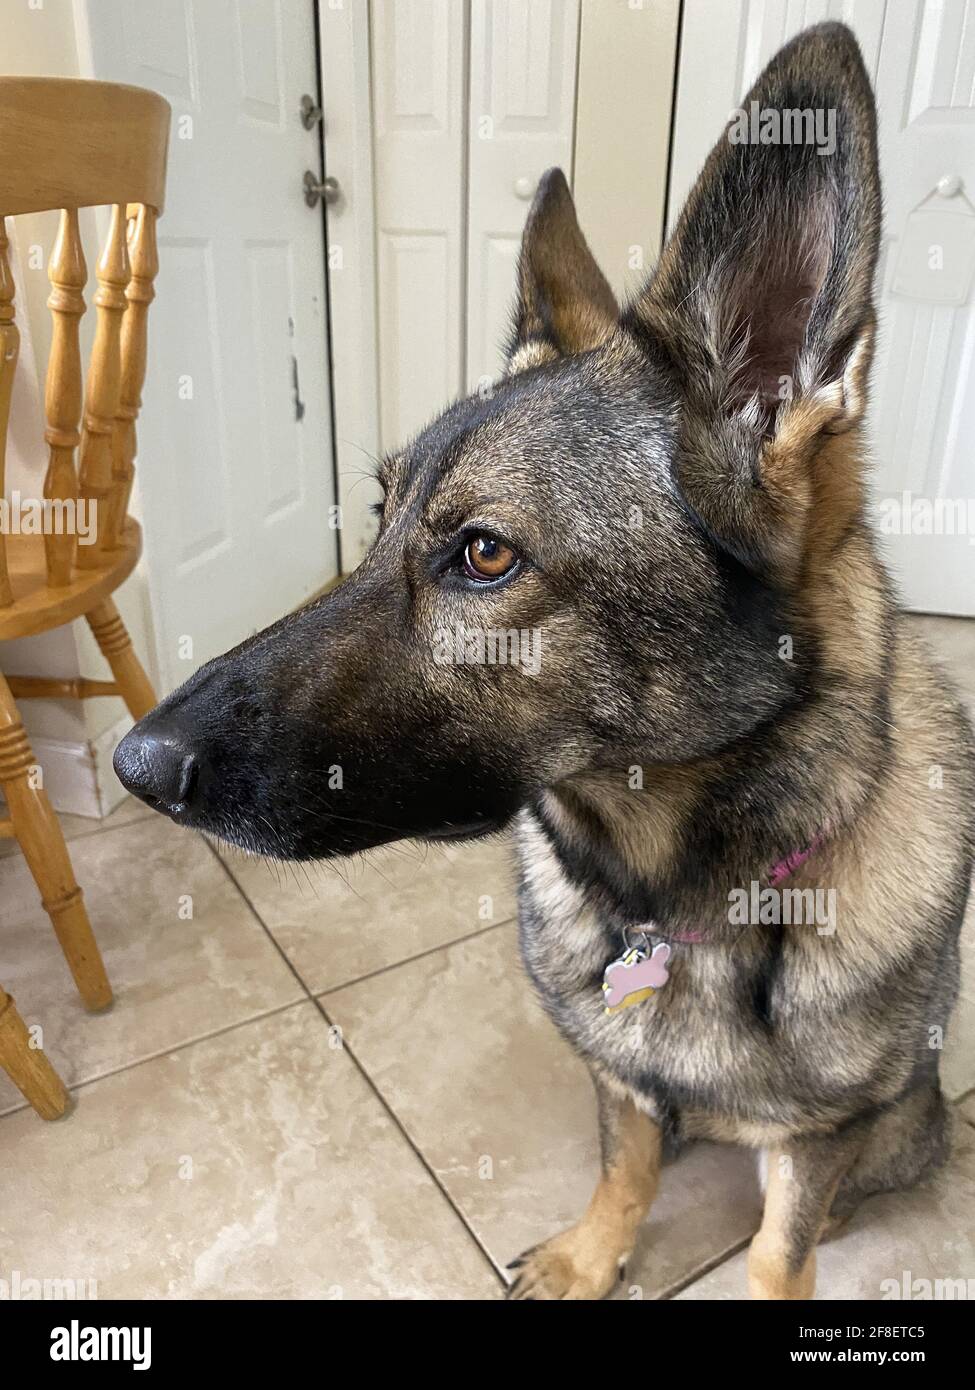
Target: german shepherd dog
(727, 696)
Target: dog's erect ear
(768, 275)
(564, 304)
(762, 299)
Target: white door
(235, 454)
(921, 58)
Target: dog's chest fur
(734, 1046)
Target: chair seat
(37, 607)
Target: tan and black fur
(675, 516)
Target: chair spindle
(68, 274)
(102, 387)
(140, 292)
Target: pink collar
(642, 969)
(786, 867)
(778, 873)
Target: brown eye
(487, 558)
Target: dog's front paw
(573, 1265)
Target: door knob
(949, 185)
(525, 187)
(320, 191)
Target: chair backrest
(70, 144)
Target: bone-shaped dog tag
(634, 976)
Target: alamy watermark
(927, 1290)
(76, 1342)
(50, 516)
(768, 125)
(479, 646)
(908, 515)
(756, 906)
(21, 1288)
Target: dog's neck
(671, 846)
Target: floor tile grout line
(420, 955)
(102, 828)
(357, 979)
(16, 855)
(364, 1073)
(408, 1139)
(138, 818)
(171, 1050)
(260, 920)
(705, 1269)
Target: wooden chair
(67, 145)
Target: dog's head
(593, 563)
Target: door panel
(419, 59)
(522, 104)
(346, 68)
(921, 58)
(473, 101)
(235, 465)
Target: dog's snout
(157, 765)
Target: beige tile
(257, 1164)
(72, 827)
(925, 1234)
(503, 1111)
(339, 921)
(174, 979)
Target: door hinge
(310, 112)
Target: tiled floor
(339, 1084)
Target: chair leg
(39, 834)
(116, 647)
(27, 1067)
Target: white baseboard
(69, 775)
(78, 777)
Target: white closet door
(924, 381)
(522, 104)
(419, 64)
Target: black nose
(158, 766)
